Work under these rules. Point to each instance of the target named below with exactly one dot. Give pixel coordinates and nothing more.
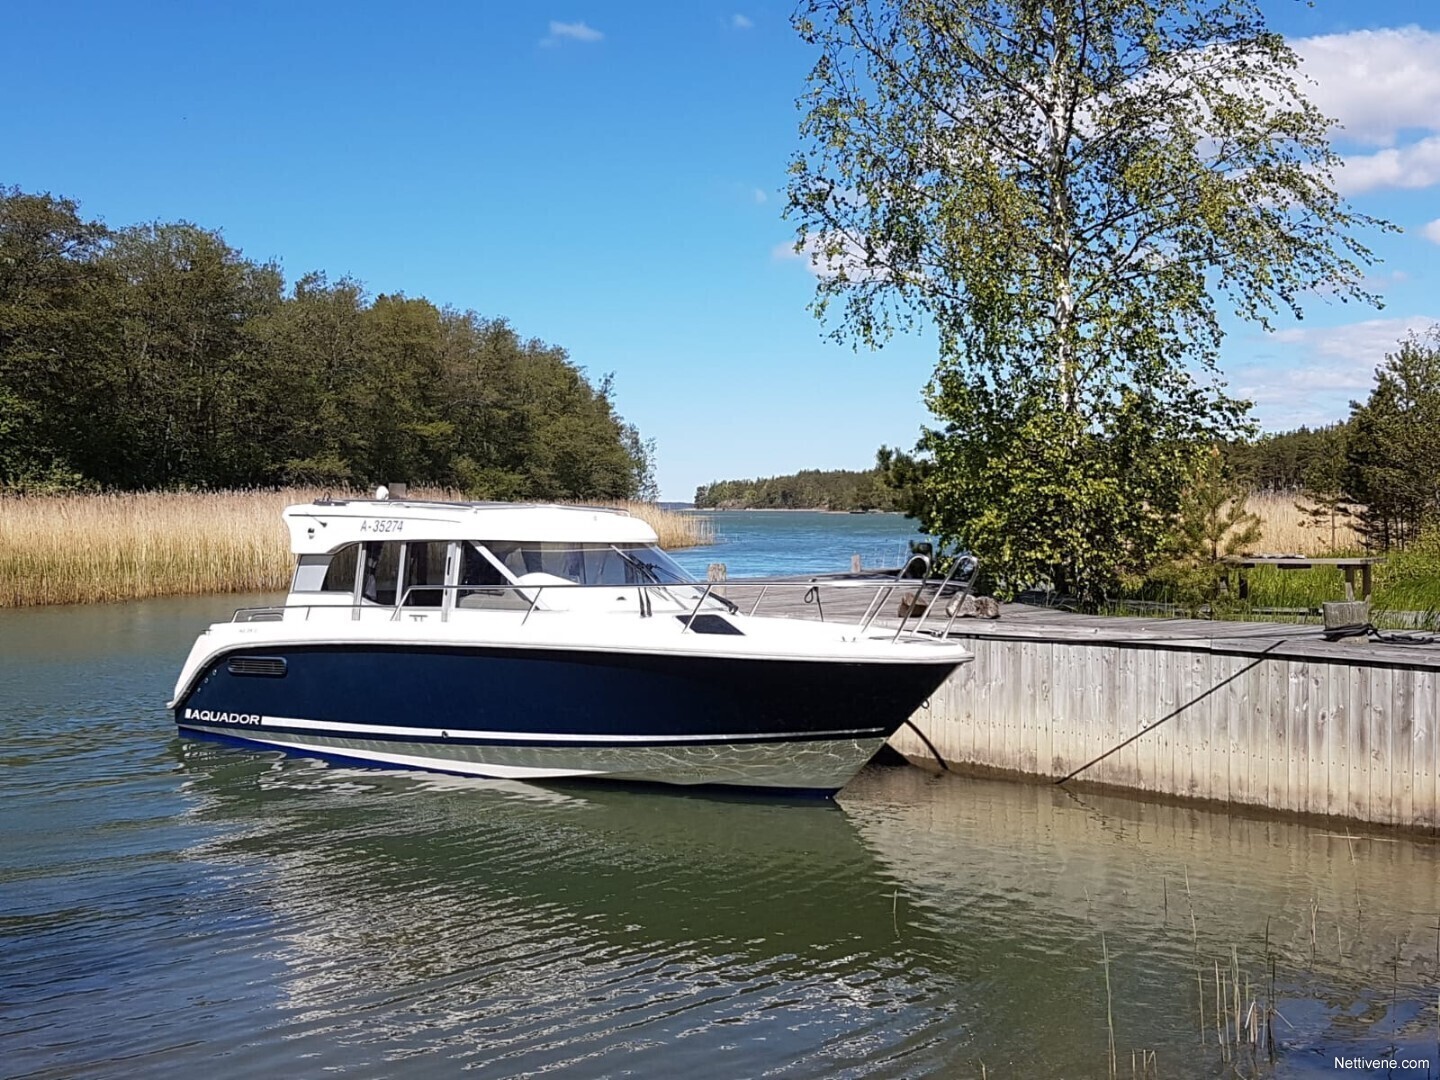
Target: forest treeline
(891, 485)
(158, 356)
(809, 489)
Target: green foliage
(1409, 580)
(1312, 460)
(47, 276)
(158, 356)
(1378, 468)
(902, 477)
(1212, 526)
(809, 489)
(1063, 192)
(1393, 461)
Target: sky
(608, 176)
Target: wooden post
(716, 572)
(855, 564)
(1347, 614)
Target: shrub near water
(88, 548)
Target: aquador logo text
(207, 717)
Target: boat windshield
(591, 564)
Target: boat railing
(924, 594)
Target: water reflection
(168, 907)
(1338, 929)
(931, 924)
(517, 928)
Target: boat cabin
(387, 555)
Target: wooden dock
(1261, 714)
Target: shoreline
(788, 510)
(99, 548)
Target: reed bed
(676, 530)
(1407, 583)
(1239, 1026)
(1289, 530)
(70, 549)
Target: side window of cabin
(309, 573)
(382, 571)
(333, 573)
(509, 553)
(425, 565)
(488, 582)
(340, 576)
(475, 569)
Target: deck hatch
(712, 624)
(271, 666)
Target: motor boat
(538, 642)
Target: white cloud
(576, 31)
(1363, 344)
(1290, 386)
(1316, 373)
(1432, 231)
(1375, 83)
(1413, 166)
(740, 22)
(758, 194)
(1382, 88)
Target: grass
(1406, 584)
(1406, 593)
(1407, 581)
(92, 548)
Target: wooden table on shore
(1299, 562)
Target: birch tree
(1071, 194)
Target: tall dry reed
(674, 529)
(71, 549)
(1288, 530)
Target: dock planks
(1266, 714)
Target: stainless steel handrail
(532, 592)
(968, 562)
(972, 573)
(703, 597)
(877, 604)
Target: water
(761, 543)
(179, 908)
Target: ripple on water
(168, 907)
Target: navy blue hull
(503, 696)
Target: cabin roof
(325, 525)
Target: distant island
(892, 486)
(809, 489)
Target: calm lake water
(180, 908)
(766, 543)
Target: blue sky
(608, 176)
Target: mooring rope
(1386, 637)
(1176, 712)
(928, 744)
